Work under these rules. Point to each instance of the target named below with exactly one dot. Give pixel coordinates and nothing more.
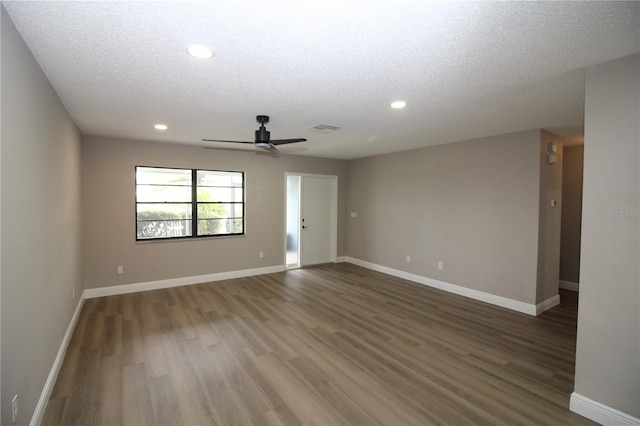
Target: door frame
(333, 224)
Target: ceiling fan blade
(218, 140)
(285, 141)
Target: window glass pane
(163, 229)
(157, 176)
(220, 226)
(216, 211)
(212, 227)
(216, 178)
(220, 194)
(238, 226)
(176, 211)
(163, 220)
(160, 194)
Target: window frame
(194, 204)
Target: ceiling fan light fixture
(200, 51)
(398, 104)
(160, 126)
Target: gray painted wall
(473, 205)
(40, 245)
(108, 211)
(571, 213)
(608, 344)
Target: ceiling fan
(263, 137)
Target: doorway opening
(311, 223)
(571, 228)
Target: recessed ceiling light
(200, 51)
(161, 127)
(398, 104)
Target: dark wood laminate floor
(332, 344)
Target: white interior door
(319, 207)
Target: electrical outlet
(440, 265)
(408, 258)
(73, 292)
(14, 408)
(261, 254)
(120, 270)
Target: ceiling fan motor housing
(263, 135)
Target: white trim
(599, 412)
(493, 299)
(569, 285)
(341, 259)
(57, 364)
(176, 282)
(547, 304)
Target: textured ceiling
(465, 69)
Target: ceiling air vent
(323, 128)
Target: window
(185, 203)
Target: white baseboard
(569, 285)
(547, 304)
(341, 259)
(600, 413)
(503, 302)
(176, 282)
(36, 419)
